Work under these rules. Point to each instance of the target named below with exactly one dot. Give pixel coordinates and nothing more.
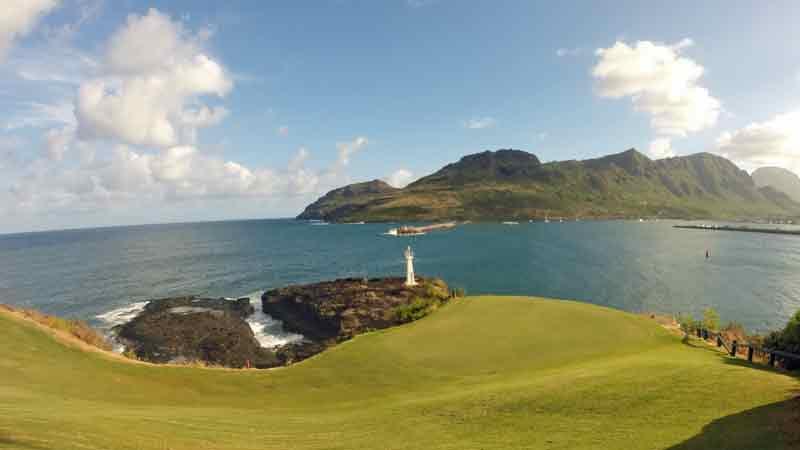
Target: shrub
(460, 292)
(710, 319)
(417, 309)
(734, 331)
(76, 328)
(687, 322)
(787, 340)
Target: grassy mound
(483, 372)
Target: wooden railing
(748, 350)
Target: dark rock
(189, 329)
(328, 312)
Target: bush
(710, 319)
(460, 292)
(417, 309)
(76, 328)
(787, 340)
(687, 322)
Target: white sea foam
(268, 331)
(122, 315)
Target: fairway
(480, 373)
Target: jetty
(743, 229)
(407, 230)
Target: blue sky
(294, 98)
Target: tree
(710, 319)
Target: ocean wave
(268, 331)
(122, 315)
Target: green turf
(482, 373)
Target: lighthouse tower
(410, 281)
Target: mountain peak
(502, 164)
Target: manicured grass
(482, 373)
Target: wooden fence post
(750, 353)
(699, 333)
(719, 341)
(772, 359)
(705, 334)
(734, 347)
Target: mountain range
(779, 178)
(513, 185)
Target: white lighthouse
(410, 281)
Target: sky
(129, 112)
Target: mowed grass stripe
(483, 372)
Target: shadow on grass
(770, 427)
(9, 442)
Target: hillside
(780, 179)
(480, 373)
(513, 184)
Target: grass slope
(483, 372)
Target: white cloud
(562, 52)
(57, 142)
(128, 139)
(348, 149)
(775, 142)
(478, 123)
(661, 148)
(157, 73)
(400, 178)
(17, 19)
(37, 115)
(282, 131)
(660, 82)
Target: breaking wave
(268, 331)
(122, 315)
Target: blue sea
(104, 275)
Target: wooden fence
(750, 351)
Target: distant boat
(355, 223)
(510, 222)
(641, 220)
(319, 222)
(418, 231)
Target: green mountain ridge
(514, 184)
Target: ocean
(105, 275)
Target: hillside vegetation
(513, 184)
(480, 373)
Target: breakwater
(741, 229)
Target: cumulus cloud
(660, 82)
(478, 123)
(661, 148)
(129, 138)
(17, 19)
(775, 142)
(400, 178)
(348, 149)
(157, 73)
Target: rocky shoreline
(215, 331)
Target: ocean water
(104, 275)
